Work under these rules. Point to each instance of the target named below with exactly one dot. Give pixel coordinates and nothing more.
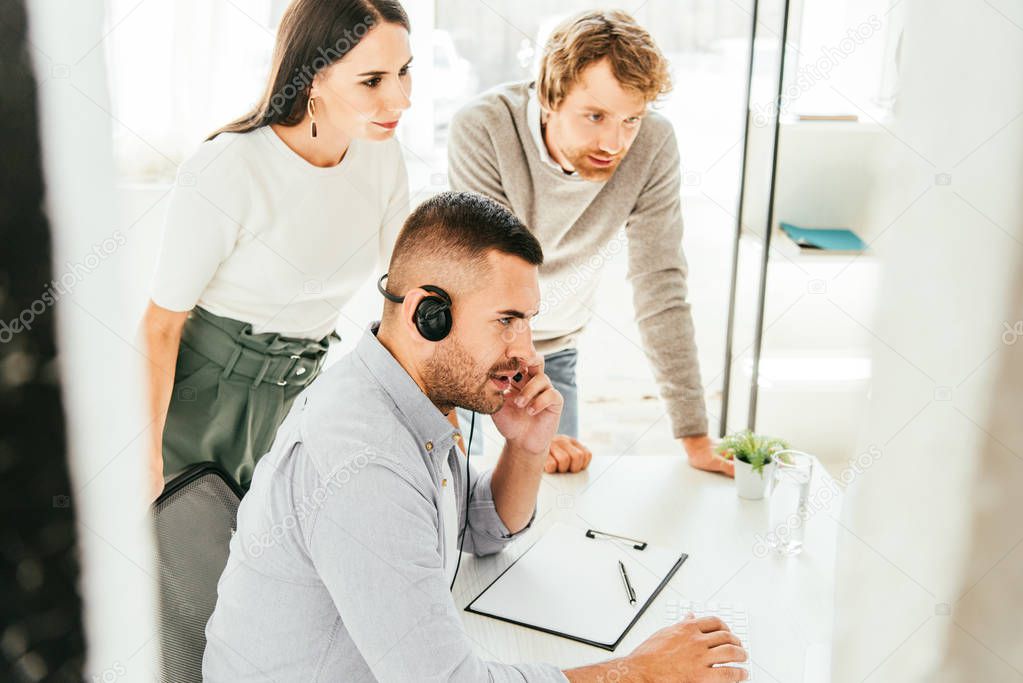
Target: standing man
(576, 155)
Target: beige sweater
(581, 224)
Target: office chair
(194, 519)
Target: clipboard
(568, 584)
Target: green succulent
(756, 449)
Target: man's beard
(454, 379)
(584, 167)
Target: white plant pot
(750, 484)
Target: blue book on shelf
(824, 239)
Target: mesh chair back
(194, 519)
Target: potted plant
(754, 461)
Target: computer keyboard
(733, 615)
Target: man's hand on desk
(567, 455)
(702, 456)
(685, 651)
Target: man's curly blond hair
(592, 36)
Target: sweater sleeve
(657, 270)
(203, 223)
(472, 158)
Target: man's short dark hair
(459, 228)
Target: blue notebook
(824, 239)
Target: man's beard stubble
(579, 159)
(453, 379)
(581, 163)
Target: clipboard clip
(637, 544)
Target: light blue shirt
(337, 569)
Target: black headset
(433, 314)
(433, 320)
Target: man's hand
(686, 651)
(567, 455)
(527, 420)
(531, 411)
(702, 456)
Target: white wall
(99, 366)
(815, 362)
(930, 566)
(826, 174)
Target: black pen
(628, 584)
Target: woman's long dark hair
(313, 35)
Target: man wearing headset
(348, 539)
(578, 156)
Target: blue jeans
(560, 367)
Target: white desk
(660, 499)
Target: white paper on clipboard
(570, 585)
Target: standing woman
(275, 222)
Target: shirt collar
(533, 120)
(429, 426)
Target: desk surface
(660, 499)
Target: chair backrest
(194, 518)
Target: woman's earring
(311, 108)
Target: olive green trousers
(232, 390)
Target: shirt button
(429, 445)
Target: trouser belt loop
(273, 345)
(262, 372)
(231, 363)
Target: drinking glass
(788, 501)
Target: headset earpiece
(433, 314)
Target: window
(840, 62)
(179, 69)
